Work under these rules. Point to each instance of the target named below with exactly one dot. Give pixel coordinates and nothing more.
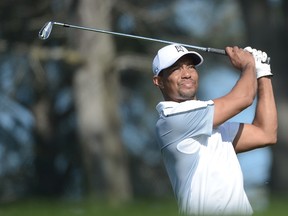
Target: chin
(187, 98)
(188, 95)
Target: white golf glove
(262, 68)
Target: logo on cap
(179, 49)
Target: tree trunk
(96, 90)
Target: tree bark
(96, 88)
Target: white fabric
(262, 68)
(201, 162)
(171, 107)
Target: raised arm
(263, 130)
(243, 93)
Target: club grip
(217, 51)
(223, 52)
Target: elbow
(272, 139)
(272, 142)
(274, 134)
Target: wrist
(263, 70)
(249, 67)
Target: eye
(174, 68)
(191, 66)
(177, 67)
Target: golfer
(197, 142)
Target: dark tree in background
(97, 100)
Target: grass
(88, 207)
(278, 206)
(56, 207)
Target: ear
(157, 80)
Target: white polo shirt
(200, 160)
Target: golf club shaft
(47, 28)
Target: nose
(186, 72)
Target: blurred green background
(77, 111)
(143, 207)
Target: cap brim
(196, 57)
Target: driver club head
(45, 30)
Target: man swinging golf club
(197, 142)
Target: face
(178, 82)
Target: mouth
(188, 83)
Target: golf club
(45, 32)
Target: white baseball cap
(169, 54)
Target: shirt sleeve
(229, 131)
(184, 120)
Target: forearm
(246, 86)
(238, 99)
(243, 93)
(266, 112)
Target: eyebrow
(178, 63)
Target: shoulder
(170, 107)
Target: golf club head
(45, 31)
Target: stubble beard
(187, 95)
